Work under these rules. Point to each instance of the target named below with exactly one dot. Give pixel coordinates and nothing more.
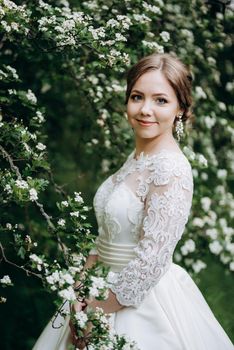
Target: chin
(147, 134)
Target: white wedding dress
(141, 212)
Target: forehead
(153, 82)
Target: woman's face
(152, 106)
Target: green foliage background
(75, 87)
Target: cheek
(130, 111)
(166, 115)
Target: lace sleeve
(167, 209)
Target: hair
(175, 71)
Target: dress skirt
(173, 316)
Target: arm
(167, 210)
(109, 305)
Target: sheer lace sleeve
(168, 203)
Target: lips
(146, 122)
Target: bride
(142, 211)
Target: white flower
(151, 8)
(40, 146)
(120, 37)
(204, 176)
(61, 222)
(209, 122)
(222, 106)
(206, 202)
(8, 226)
(230, 86)
(141, 18)
(26, 146)
(3, 300)
(8, 189)
(40, 117)
(98, 282)
(189, 153)
(31, 97)
(200, 93)
(65, 203)
(223, 222)
(21, 184)
(93, 292)
(33, 194)
(215, 247)
(224, 258)
(112, 23)
(6, 280)
(177, 257)
(222, 173)
(231, 266)
(198, 266)
(53, 278)
(81, 318)
(188, 247)
(195, 173)
(125, 21)
(153, 46)
(94, 141)
(68, 24)
(188, 262)
(36, 259)
(165, 36)
(68, 294)
(230, 247)
(212, 233)
(202, 160)
(228, 231)
(74, 270)
(75, 213)
(67, 278)
(6, 26)
(198, 222)
(12, 70)
(78, 197)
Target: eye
(161, 100)
(136, 97)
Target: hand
(74, 308)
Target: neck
(149, 146)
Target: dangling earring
(179, 127)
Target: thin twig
(39, 205)
(13, 166)
(4, 258)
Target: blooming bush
(61, 60)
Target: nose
(146, 108)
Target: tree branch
(28, 272)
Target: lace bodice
(141, 212)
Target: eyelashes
(135, 97)
(159, 100)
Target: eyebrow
(156, 94)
